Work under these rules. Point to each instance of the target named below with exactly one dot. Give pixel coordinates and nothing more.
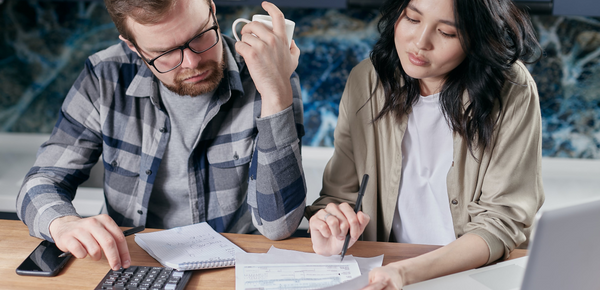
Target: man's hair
(141, 11)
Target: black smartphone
(43, 261)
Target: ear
(129, 44)
(214, 7)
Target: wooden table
(16, 245)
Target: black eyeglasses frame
(215, 27)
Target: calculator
(145, 278)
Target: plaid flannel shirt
(245, 173)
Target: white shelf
(566, 181)
(17, 155)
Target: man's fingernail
(117, 267)
(126, 264)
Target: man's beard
(206, 85)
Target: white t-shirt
(423, 212)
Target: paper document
(285, 269)
(196, 246)
(355, 284)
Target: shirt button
(162, 130)
(454, 202)
(114, 163)
(140, 211)
(148, 172)
(235, 156)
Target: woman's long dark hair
(494, 35)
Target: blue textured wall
(44, 45)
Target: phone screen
(43, 261)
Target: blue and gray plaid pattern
(245, 173)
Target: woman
(445, 119)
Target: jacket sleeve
(511, 192)
(64, 161)
(276, 188)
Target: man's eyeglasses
(173, 58)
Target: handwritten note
(190, 247)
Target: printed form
(285, 269)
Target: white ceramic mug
(266, 20)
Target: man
(189, 131)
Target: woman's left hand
(386, 277)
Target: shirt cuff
(47, 216)
(277, 130)
(496, 246)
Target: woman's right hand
(329, 226)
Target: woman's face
(427, 42)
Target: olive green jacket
(494, 194)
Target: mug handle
(235, 24)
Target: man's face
(198, 73)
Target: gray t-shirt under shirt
(169, 204)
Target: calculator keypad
(144, 278)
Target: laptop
(563, 254)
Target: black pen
(128, 232)
(361, 192)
